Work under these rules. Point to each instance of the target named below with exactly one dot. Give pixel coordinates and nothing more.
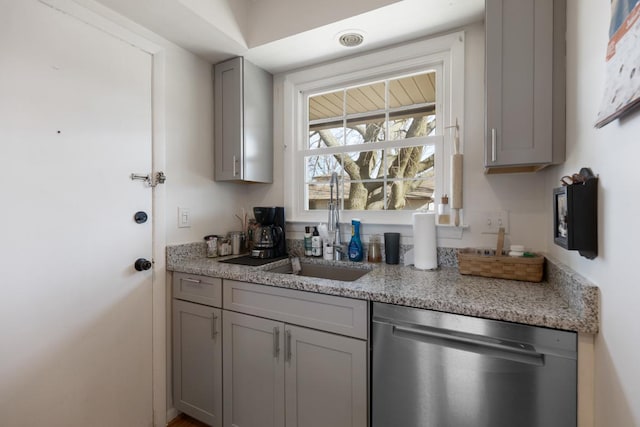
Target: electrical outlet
(492, 221)
(184, 218)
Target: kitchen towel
(425, 254)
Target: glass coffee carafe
(265, 239)
(267, 235)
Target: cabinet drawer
(330, 313)
(200, 289)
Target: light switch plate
(184, 218)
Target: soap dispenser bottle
(355, 245)
(316, 243)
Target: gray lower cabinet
(197, 347)
(254, 371)
(293, 358)
(525, 84)
(249, 355)
(278, 374)
(325, 379)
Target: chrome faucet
(334, 220)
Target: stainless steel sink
(324, 271)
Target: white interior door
(75, 317)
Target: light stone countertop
(564, 301)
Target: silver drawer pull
(287, 346)
(192, 280)
(276, 342)
(214, 330)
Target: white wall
(612, 152)
(522, 195)
(189, 153)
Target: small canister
(212, 245)
(224, 246)
(237, 242)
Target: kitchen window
(378, 120)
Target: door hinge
(151, 180)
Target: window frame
(446, 52)
(432, 140)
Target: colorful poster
(622, 88)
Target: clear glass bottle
(374, 254)
(355, 245)
(444, 216)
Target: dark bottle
(316, 243)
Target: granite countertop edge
(565, 300)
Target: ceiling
(280, 35)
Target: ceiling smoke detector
(351, 38)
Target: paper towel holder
(457, 126)
(451, 231)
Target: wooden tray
(475, 263)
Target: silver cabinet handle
(287, 345)
(493, 144)
(276, 342)
(214, 330)
(235, 168)
(192, 280)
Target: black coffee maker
(268, 237)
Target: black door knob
(142, 264)
(140, 217)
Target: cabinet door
(326, 379)
(228, 132)
(519, 82)
(197, 361)
(254, 371)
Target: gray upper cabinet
(243, 110)
(525, 84)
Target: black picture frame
(575, 214)
(560, 217)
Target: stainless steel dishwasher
(433, 369)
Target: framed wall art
(622, 87)
(560, 216)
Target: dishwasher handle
(446, 338)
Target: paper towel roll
(456, 181)
(425, 254)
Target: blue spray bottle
(355, 245)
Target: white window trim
(410, 57)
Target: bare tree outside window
(373, 134)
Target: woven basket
(473, 262)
